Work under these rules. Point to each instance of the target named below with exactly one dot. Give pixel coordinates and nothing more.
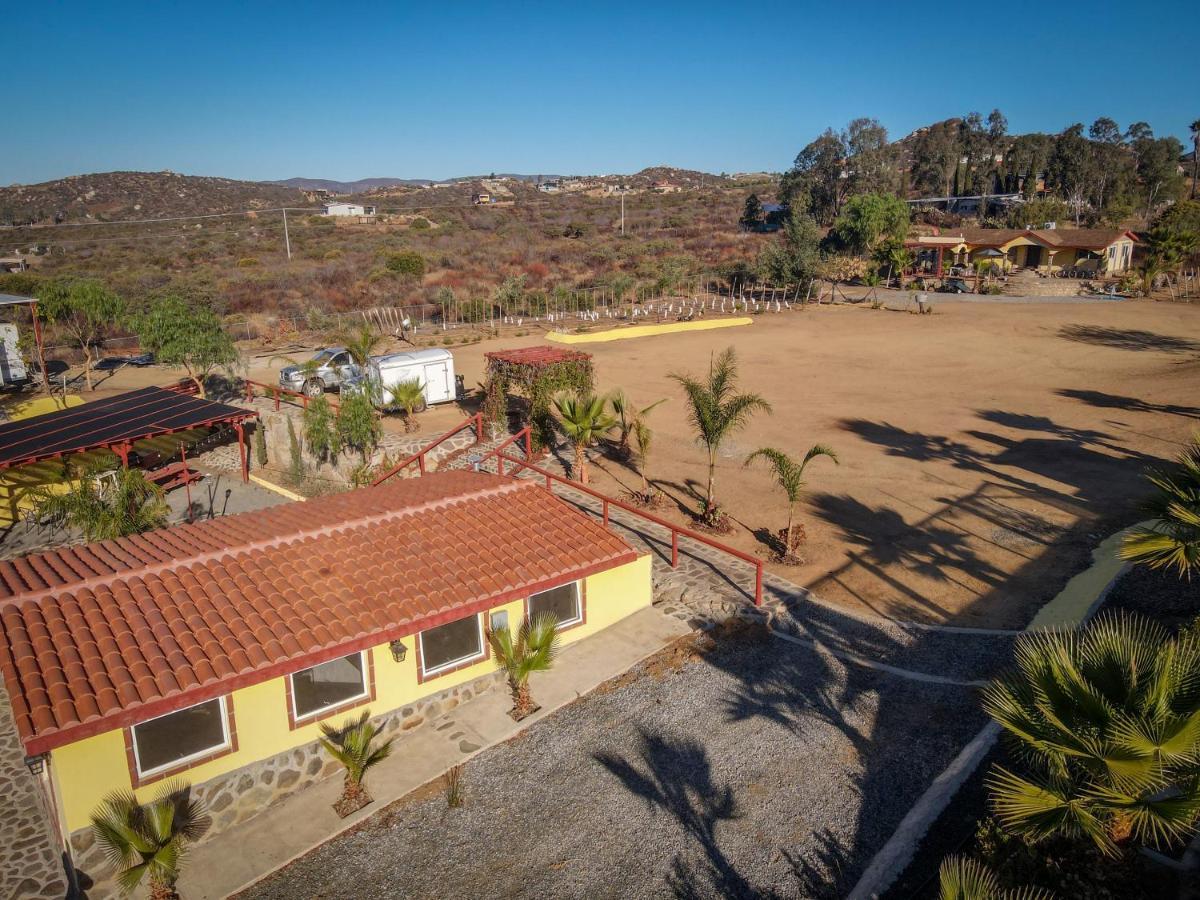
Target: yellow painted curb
(281, 491)
(1084, 593)
(637, 331)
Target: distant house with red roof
(213, 650)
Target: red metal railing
(475, 422)
(279, 393)
(606, 502)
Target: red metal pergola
(115, 423)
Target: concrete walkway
(245, 853)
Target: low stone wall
(240, 795)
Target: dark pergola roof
(109, 423)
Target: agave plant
(355, 747)
(409, 396)
(1107, 719)
(120, 503)
(148, 842)
(960, 878)
(716, 411)
(532, 649)
(582, 419)
(789, 475)
(1173, 541)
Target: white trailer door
(437, 383)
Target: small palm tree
(360, 344)
(789, 475)
(960, 878)
(626, 415)
(354, 746)
(643, 441)
(1173, 541)
(115, 505)
(716, 412)
(582, 419)
(410, 397)
(1108, 721)
(149, 841)
(532, 650)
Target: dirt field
(984, 449)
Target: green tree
(1173, 540)
(717, 411)
(815, 184)
(960, 878)
(354, 745)
(789, 475)
(1158, 171)
(407, 263)
(179, 333)
(148, 842)
(533, 649)
(1071, 169)
(752, 214)
(260, 444)
(869, 220)
(582, 419)
(85, 309)
(357, 425)
(409, 396)
(102, 505)
(320, 435)
(1107, 719)
(1195, 130)
(796, 258)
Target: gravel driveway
(748, 767)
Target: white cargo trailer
(433, 369)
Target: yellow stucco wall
(86, 771)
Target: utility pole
(287, 241)
(622, 211)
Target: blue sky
(262, 90)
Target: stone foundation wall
(240, 795)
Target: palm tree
(582, 419)
(960, 878)
(361, 344)
(716, 412)
(410, 396)
(643, 439)
(1173, 541)
(532, 650)
(626, 415)
(789, 475)
(1107, 718)
(107, 507)
(354, 746)
(149, 841)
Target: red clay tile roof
(536, 356)
(104, 635)
(1054, 238)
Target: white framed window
(178, 737)
(330, 684)
(563, 601)
(452, 644)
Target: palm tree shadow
(676, 776)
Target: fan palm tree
(355, 747)
(960, 878)
(104, 508)
(789, 475)
(582, 419)
(716, 412)
(1173, 541)
(533, 649)
(149, 841)
(410, 396)
(1107, 718)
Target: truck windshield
(323, 356)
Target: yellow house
(212, 651)
(1094, 251)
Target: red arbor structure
(538, 373)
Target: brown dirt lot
(984, 449)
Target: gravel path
(755, 769)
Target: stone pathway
(30, 862)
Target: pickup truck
(330, 367)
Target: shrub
(406, 263)
(420, 223)
(335, 253)
(247, 262)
